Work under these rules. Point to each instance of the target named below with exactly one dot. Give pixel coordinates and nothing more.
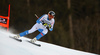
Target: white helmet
(52, 13)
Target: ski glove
(49, 26)
(45, 24)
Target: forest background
(77, 22)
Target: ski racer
(44, 22)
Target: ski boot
(33, 40)
(17, 36)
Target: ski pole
(36, 16)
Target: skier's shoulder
(44, 15)
(53, 20)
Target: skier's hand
(45, 24)
(49, 26)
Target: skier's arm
(39, 20)
(51, 26)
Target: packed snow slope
(10, 46)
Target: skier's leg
(33, 29)
(24, 33)
(44, 32)
(37, 37)
(40, 35)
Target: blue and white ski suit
(40, 27)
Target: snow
(10, 46)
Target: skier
(46, 20)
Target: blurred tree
(70, 24)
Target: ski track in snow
(9, 46)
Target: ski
(34, 44)
(16, 39)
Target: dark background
(77, 23)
